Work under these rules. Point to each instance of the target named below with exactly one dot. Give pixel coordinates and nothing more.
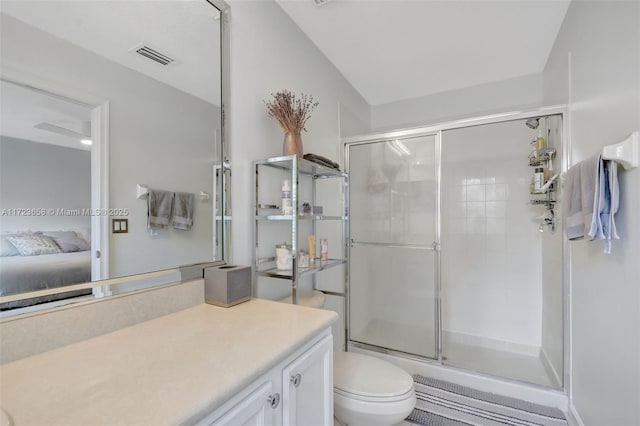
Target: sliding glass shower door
(393, 266)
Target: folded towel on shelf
(323, 161)
(592, 197)
(159, 207)
(183, 212)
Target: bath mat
(441, 403)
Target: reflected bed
(20, 274)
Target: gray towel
(579, 190)
(159, 207)
(183, 215)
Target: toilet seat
(312, 299)
(369, 379)
(377, 399)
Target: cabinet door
(307, 387)
(254, 410)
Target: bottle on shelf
(540, 142)
(287, 206)
(538, 179)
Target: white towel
(183, 215)
(159, 206)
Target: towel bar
(625, 152)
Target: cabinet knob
(274, 400)
(296, 380)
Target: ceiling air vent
(153, 54)
(320, 2)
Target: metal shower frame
(436, 130)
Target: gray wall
(269, 53)
(39, 175)
(600, 80)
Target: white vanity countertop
(169, 370)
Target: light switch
(119, 226)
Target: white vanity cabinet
(298, 391)
(255, 409)
(307, 396)
(204, 365)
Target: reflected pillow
(6, 248)
(34, 245)
(70, 244)
(58, 234)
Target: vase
(292, 144)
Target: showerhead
(533, 123)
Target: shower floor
(421, 341)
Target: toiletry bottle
(287, 206)
(311, 239)
(324, 249)
(538, 179)
(540, 143)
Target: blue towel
(611, 204)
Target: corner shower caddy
(298, 168)
(544, 157)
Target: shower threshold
(458, 351)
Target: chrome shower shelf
(541, 202)
(540, 157)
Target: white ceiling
(23, 109)
(401, 49)
(186, 30)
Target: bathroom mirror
(112, 145)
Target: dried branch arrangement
(290, 111)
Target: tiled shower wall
(491, 246)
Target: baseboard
(573, 418)
(548, 366)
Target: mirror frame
(190, 271)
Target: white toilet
(366, 390)
(370, 391)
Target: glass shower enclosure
(492, 300)
(394, 244)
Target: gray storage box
(227, 285)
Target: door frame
(100, 196)
(99, 165)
